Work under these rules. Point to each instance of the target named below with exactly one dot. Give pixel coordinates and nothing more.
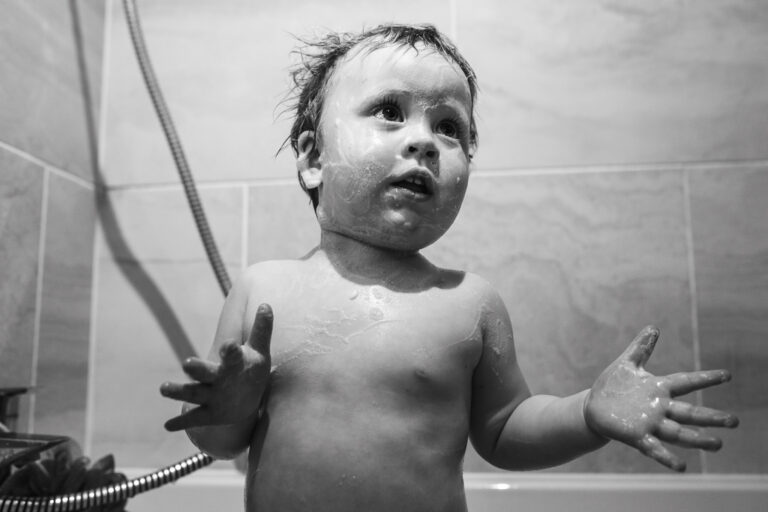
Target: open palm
(631, 405)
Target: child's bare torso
(369, 401)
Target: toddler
(378, 367)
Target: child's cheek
(356, 143)
(346, 193)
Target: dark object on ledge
(20, 449)
(50, 466)
(9, 406)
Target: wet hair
(319, 57)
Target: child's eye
(388, 111)
(449, 128)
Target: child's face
(394, 143)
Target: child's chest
(373, 337)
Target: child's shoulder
(484, 294)
(470, 284)
(275, 282)
(273, 270)
(260, 267)
(461, 278)
(474, 281)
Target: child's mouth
(416, 184)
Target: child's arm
(514, 430)
(222, 407)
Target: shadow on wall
(127, 262)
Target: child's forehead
(376, 53)
(373, 64)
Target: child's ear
(308, 160)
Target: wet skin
(378, 366)
(369, 400)
(391, 115)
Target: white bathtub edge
(612, 481)
(222, 490)
(531, 481)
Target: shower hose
(116, 493)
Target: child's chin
(391, 240)
(395, 234)
(406, 242)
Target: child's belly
(331, 459)
(377, 421)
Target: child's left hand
(631, 405)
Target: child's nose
(427, 151)
(420, 144)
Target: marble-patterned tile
(158, 303)
(583, 262)
(730, 234)
(21, 195)
(65, 314)
(281, 224)
(603, 82)
(50, 61)
(223, 68)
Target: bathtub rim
(223, 489)
(513, 480)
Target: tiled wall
(619, 182)
(50, 64)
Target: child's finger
(200, 370)
(230, 354)
(190, 392)
(261, 333)
(672, 432)
(685, 382)
(653, 448)
(642, 346)
(196, 417)
(700, 416)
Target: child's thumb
(261, 333)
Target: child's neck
(353, 258)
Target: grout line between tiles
(244, 227)
(454, 21)
(696, 341)
(72, 178)
(106, 60)
(736, 165)
(48, 166)
(165, 187)
(90, 398)
(692, 270)
(39, 297)
(745, 165)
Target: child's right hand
(229, 391)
